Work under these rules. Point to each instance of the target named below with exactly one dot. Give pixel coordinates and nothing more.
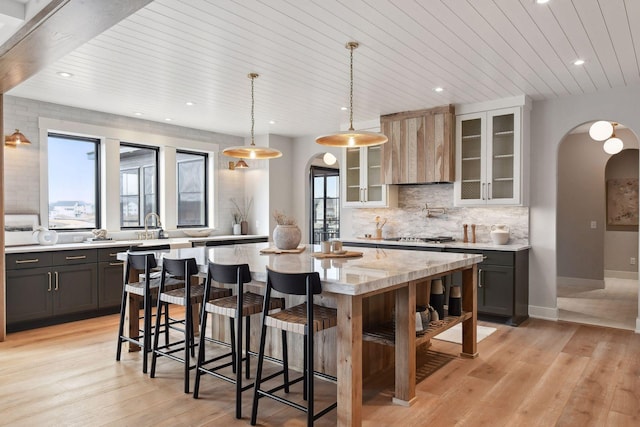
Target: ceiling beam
(59, 28)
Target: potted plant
(241, 215)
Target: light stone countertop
(375, 270)
(448, 245)
(174, 242)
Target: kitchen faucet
(146, 229)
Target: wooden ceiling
(176, 51)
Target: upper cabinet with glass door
(362, 179)
(489, 149)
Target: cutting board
(347, 254)
(297, 250)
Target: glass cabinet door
(502, 157)
(352, 176)
(471, 156)
(374, 174)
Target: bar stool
(295, 319)
(147, 289)
(186, 296)
(237, 307)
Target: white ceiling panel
(174, 51)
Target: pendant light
(613, 145)
(352, 138)
(251, 151)
(15, 139)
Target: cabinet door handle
(484, 257)
(113, 264)
(489, 191)
(365, 194)
(113, 255)
(57, 281)
(75, 257)
(480, 278)
(26, 261)
(49, 288)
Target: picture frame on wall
(622, 201)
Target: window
(192, 189)
(73, 182)
(325, 221)
(138, 184)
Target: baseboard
(617, 274)
(578, 281)
(546, 313)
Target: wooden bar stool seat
(147, 288)
(305, 319)
(236, 308)
(186, 296)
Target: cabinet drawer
(109, 254)
(30, 260)
(75, 257)
(505, 258)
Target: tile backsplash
(410, 217)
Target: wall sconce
(240, 164)
(16, 139)
(606, 131)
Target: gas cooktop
(436, 239)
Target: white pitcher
(499, 234)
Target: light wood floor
(615, 305)
(539, 374)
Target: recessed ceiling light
(189, 104)
(344, 108)
(438, 89)
(64, 74)
(137, 113)
(542, 1)
(272, 122)
(168, 119)
(578, 62)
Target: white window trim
(110, 139)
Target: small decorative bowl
(198, 233)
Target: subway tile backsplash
(410, 217)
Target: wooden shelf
(466, 159)
(385, 334)
(466, 137)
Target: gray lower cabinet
(45, 286)
(110, 279)
(503, 280)
(503, 284)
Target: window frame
(141, 178)
(98, 174)
(205, 190)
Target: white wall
(550, 121)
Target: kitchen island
(350, 282)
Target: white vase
(286, 236)
(499, 234)
(47, 237)
(237, 229)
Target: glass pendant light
(601, 130)
(251, 151)
(613, 145)
(352, 138)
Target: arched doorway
(597, 284)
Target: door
(29, 294)
(75, 288)
(325, 204)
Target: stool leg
(256, 387)
(285, 361)
(310, 378)
(156, 336)
(123, 305)
(166, 323)
(188, 333)
(246, 346)
(232, 329)
(201, 354)
(239, 319)
(305, 376)
(146, 331)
